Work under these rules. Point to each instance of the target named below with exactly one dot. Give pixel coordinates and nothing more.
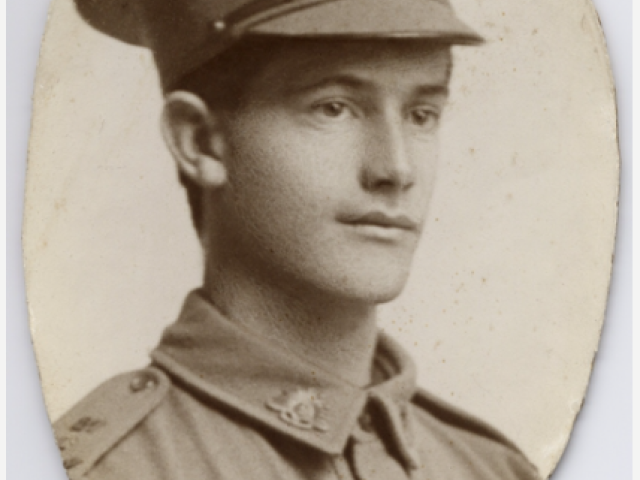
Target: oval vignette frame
(482, 213)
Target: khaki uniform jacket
(218, 402)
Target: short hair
(221, 83)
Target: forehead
(415, 63)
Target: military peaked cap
(185, 34)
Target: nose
(387, 165)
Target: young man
(306, 134)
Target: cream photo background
(504, 308)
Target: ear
(195, 137)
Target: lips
(380, 219)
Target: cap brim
(429, 19)
(117, 18)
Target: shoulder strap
(520, 466)
(458, 418)
(105, 416)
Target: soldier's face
(331, 164)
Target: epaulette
(105, 416)
(457, 418)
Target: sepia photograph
(329, 239)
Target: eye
(425, 118)
(332, 109)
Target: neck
(336, 334)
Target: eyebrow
(348, 81)
(432, 90)
(355, 83)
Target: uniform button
(366, 423)
(143, 381)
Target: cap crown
(184, 34)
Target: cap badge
(87, 425)
(300, 408)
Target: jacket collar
(232, 366)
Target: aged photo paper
(503, 309)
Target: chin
(385, 293)
(373, 287)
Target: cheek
(425, 156)
(270, 197)
(284, 167)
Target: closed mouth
(380, 219)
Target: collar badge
(300, 408)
